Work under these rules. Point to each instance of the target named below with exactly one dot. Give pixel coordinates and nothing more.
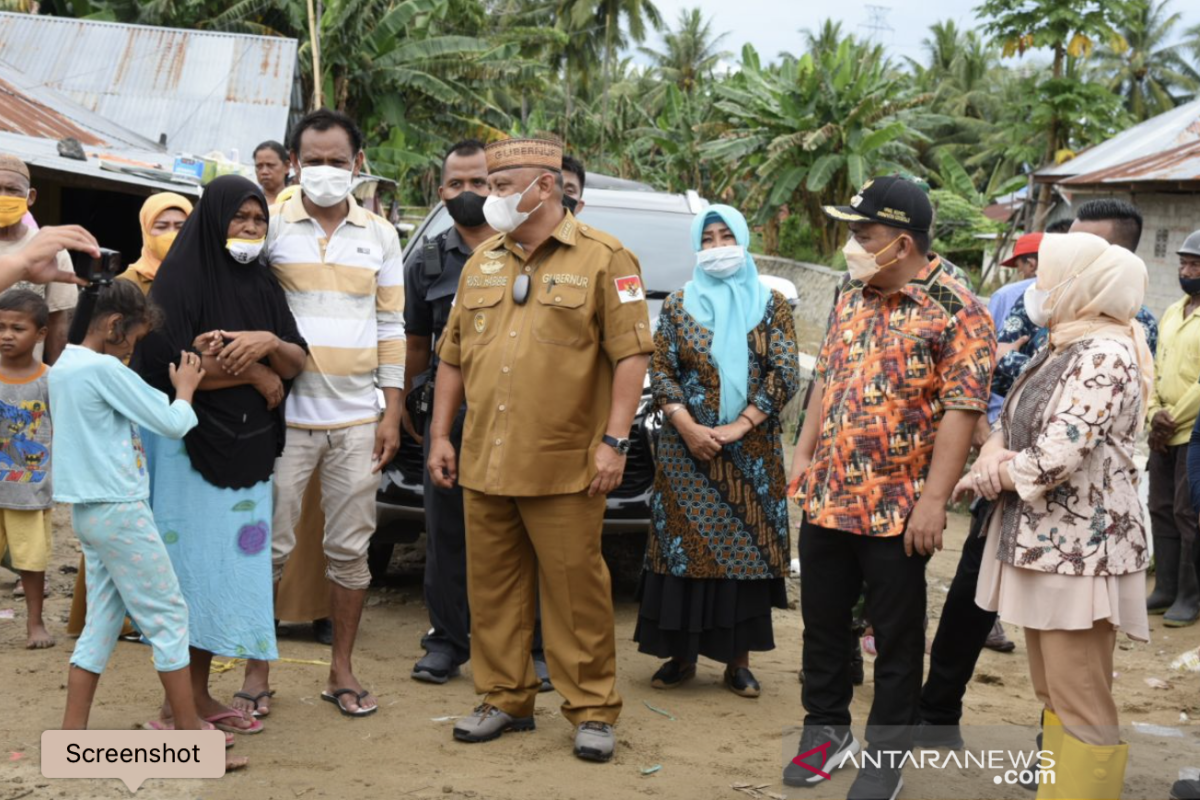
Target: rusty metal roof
(33, 110)
(1177, 165)
(1155, 136)
(203, 90)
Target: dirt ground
(713, 745)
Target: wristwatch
(620, 445)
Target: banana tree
(810, 131)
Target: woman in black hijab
(212, 498)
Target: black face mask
(1190, 286)
(569, 203)
(467, 210)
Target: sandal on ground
(163, 725)
(673, 674)
(333, 697)
(254, 698)
(217, 721)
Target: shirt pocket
(560, 315)
(481, 314)
(909, 370)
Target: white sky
(773, 26)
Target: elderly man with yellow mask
(161, 217)
(17, 196)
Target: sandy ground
(717, 746)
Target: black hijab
(201, 288)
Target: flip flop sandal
(159, 725)
(332, 697)
(215, 719)
(254, 699)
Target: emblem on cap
(854, 201)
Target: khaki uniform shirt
(539, 376)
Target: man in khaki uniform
(549, 341)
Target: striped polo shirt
(347, 294)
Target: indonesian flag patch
(629, 289)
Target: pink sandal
(215, 719)
(161, 725)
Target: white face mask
(326, 186)
(245, 250)
(502, 214)
(1037, 302)
(862, 265)
(721, 262)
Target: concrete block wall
(1168, 219)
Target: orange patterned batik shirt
(892, 366)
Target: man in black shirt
(431, 276)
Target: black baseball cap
(893, 201)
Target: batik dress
(718, 548)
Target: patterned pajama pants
(128, 571)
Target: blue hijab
(728, 307)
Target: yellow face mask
(160, 245)
(12, 210)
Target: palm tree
(607, 15)
(1150, 74)
(690, 55)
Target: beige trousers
(1072, 675)
(518, 547)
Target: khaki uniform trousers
(555, 540)
(1071, 672)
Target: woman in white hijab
(1068, 533)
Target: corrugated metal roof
(205, 91)
(36, 110)
(1177, 127)
(1177, 165)
(43, 153)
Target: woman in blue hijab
(724, 367)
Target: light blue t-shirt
(98, 404)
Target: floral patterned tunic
(727, 518)
(1076, 510)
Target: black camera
(97, 271)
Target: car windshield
(660, 240)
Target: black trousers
(833, 567)
(961, 632)
(446, 564)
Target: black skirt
(718, 618)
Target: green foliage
(779, 136)
(960, 223)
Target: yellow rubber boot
(1088, 772)
(1052, 740)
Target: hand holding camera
(187, 376)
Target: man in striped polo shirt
(342, 271)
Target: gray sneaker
(594, 741)
(435, 667)
(487, 722)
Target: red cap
(1027, 245)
